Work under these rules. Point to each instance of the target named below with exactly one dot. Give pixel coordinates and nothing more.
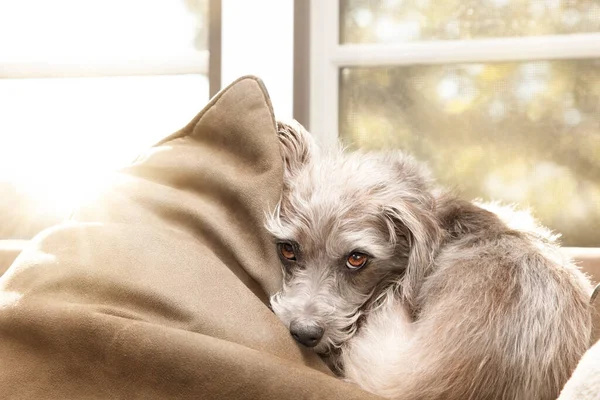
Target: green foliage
(367, 21)
(526, 133)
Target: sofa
(159, 287)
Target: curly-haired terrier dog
(412, 293)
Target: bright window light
(88, 32)
(71, 109)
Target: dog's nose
(306, 333)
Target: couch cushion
(9, 250)
(159, 287)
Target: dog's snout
(307, 333)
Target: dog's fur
(460, 300)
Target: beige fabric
(159, 288)
(9, 250)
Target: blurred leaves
(524, 132)
(386, 21)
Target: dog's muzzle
(307, 333)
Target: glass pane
(58, 137)
(525, 133)
(392, 21)
(61, 31)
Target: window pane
(60, 31)
(526, 133)
(60, 136)
(390, 21)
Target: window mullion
(584, 45)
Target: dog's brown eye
(287, 251)
(356, 260)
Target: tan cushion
(9, 250)
(23, 214)
(159, 288)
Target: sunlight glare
(63, 31)
(61, 138)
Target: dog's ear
(408, 202)
(418, 224)
(297, 147)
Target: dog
(411, 292)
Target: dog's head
(348, 226)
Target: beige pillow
(159, 287)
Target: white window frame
(186, 64)
(328, 56)
(261, 46)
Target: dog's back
(503, 315)
(517, 307)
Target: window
(500, 97)
(83, 87)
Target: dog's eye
(356, 260)
(287, 251)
